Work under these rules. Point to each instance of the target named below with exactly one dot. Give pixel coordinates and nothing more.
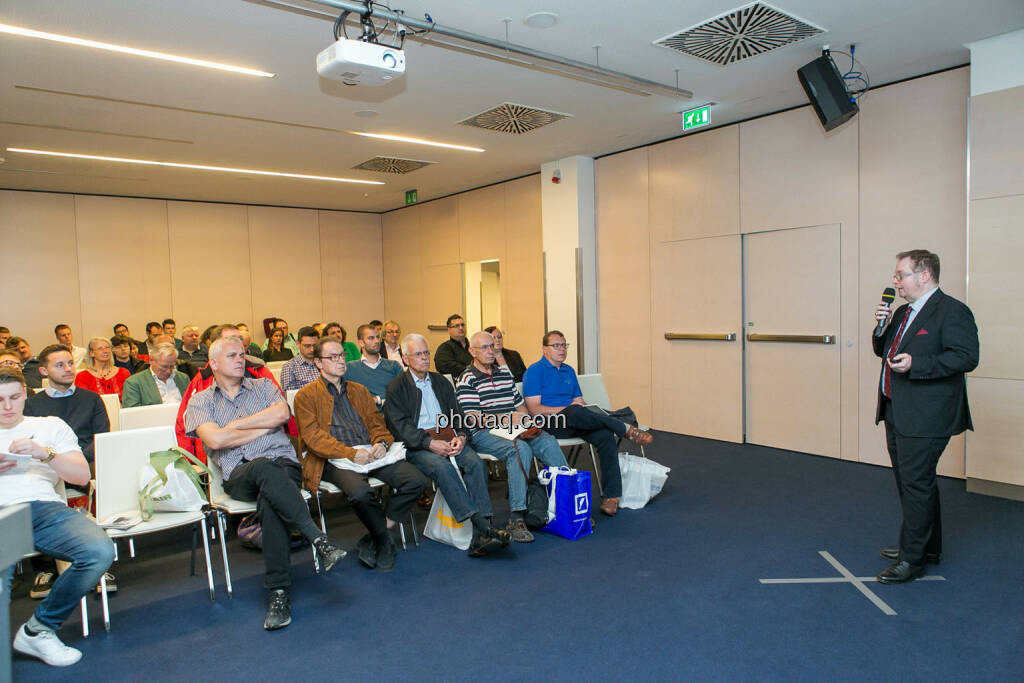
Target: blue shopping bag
(568, 502)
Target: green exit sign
(695, 118)
(411, 197)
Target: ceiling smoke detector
(513, 118)
(739, 34)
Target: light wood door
(792, 287)
(442, 296)
(698, 383)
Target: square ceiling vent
(513, 118)
(742, 33)
(392, 165)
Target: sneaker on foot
(329, 553)
(520, 534)
(46, 646)
(279, 610)
(485, 544)
(41, 585)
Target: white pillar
(570, 255)
(995, 63)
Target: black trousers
(603, 433)
(402, 476)
(275, 486)
(914, 460)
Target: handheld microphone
(888, 296)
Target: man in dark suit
(922, 398)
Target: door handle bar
(730, 336)
(795, 338)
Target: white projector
(355, 62)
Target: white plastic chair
(290, 397)
(113, 405)
(140, 417)
(276, 372)
(119, 457)
(276, 365)
(330, 489)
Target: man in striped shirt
(488, 396)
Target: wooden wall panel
(997, 144)
(40, 266)
(123, 264)
(352, 268)
(624, 279)
(694, 186)
(997, 408)
(439, 231)
(482, 224)
(793, 174)
(403, 274)
(522, 270)
(209, 256)
(284, 250)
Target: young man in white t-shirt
(57, 530)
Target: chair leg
(401, 532)
(85, 617)
(224, 551)
(320, 510)
(597, 471)
(316, 559)
(106, 605)
(412, 526)
(192, 559)
(115, 552)
(206, 556)
(131, 548)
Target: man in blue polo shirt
(551, 388)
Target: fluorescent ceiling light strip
(71, 40)
(199, 167)
(415, 141)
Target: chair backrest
(45, 383)
(290, 397)
(119, 457)
(216, 481)
(451, 380)
(276, 372)
(276, 365)
(113, 405)
(594, 392)
(158, 415)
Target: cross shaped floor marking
(848, 577)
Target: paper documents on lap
(510, 432)
(21, 462)
(394, 454)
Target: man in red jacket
(203, 379)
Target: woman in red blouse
(102, 376)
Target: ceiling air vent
(513, 118)
(742, 33)
(392, 165)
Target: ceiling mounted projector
(357, 62)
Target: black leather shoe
(894, 555)
(279, 610)
(387, 553)
(484, 544)
(329, 553)
(901, 572)
(366, 551)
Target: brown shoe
(610, 506)
(426, 500)
(639, 436)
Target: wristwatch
(51, 453)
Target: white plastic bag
(442, 525)
(178, 494)
(642, 479)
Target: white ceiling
(441, 87)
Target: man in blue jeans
(488, 397)
(551, 388)
(57, 531)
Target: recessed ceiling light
(84, 42)
(541, 19)
(198, 167)
(366, 113)
(416, 141)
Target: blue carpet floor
(670, 592)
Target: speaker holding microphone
(888, 296)
(827, 92)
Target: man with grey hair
(191, 350)
(161, 383)
(239, 419)
(416, 401)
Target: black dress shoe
(894, 555)
(901, 572)
(328, 552)
(366, 551)
(485, 544)
(387, 553)
(279, 610)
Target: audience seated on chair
(122, 349)
(506, 356)
(160, 383)
(65, 338)
(29, 365)
(488, 397)
(191, 351)
(170, 329)
(121, 330)
(301, 370)
(452, 356)
(153, 331)
(239, 418)
(390, 347)
(372, 371)
(101, 375)
(335, 330)
(339, 420)
(289, 342)
(415, 401)
(276, 350)
(551, 388)
(59, 531)
(252, 350)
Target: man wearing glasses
(922, 397)
(551, 388)
(453, 356)
(339, 420)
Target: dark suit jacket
(942, 340)
(402, 408)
